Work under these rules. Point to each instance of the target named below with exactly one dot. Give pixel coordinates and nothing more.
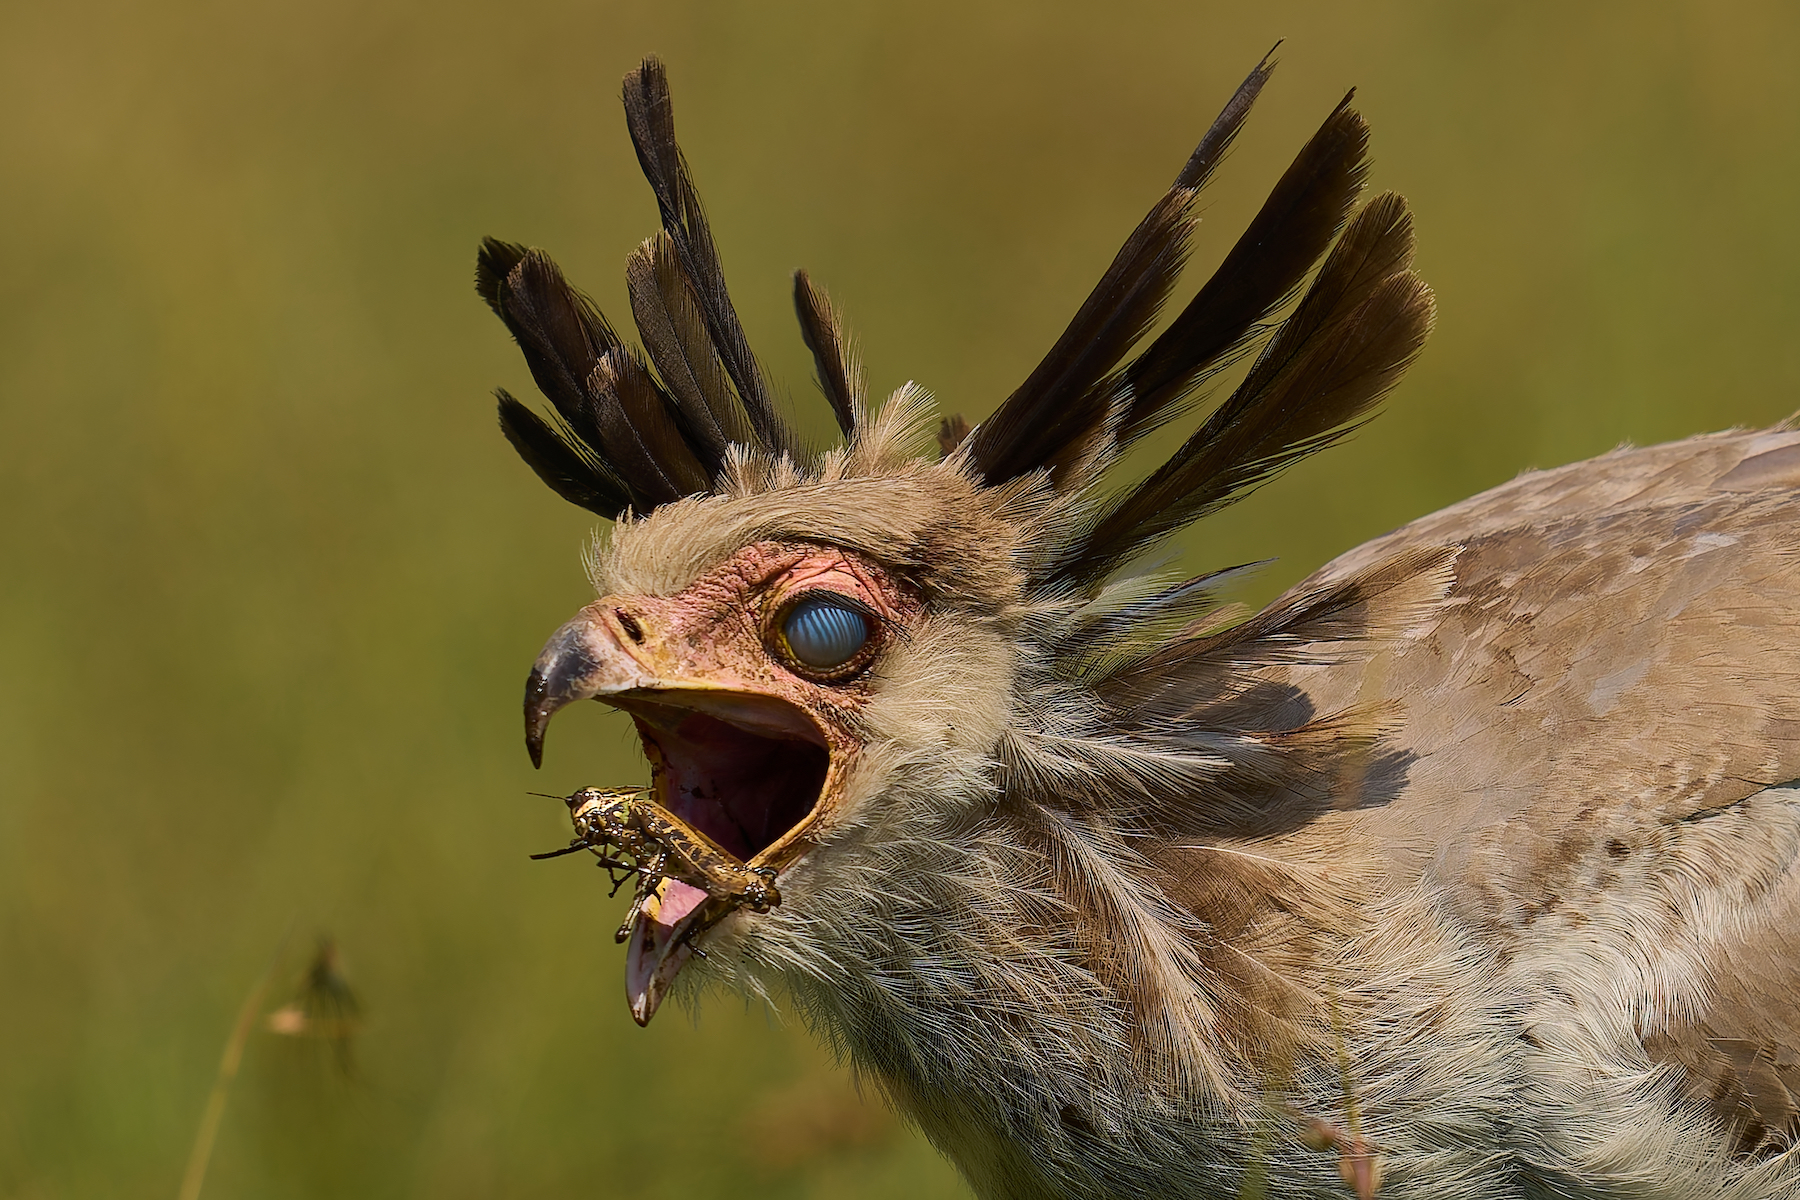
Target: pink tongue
(653, 959)
(678, 900)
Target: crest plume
(636, 432)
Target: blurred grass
(272, 580)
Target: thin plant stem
(229, 1062)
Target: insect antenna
(571, 848)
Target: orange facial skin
(746, 743)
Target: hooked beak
(582, 660)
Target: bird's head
(791, 656)
(833, 655)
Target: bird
(1469, 867)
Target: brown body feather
(1607, 716)
(1601, 719)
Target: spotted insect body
(656, 845)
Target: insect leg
(631, 914)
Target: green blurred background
(271, 579)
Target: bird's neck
(1024, 990)
(1027, 991)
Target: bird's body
(1468, 868)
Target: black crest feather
(669, 322)
(1289, 233)
(650, 116)
(1060, 412)
(824, 334)
(1363, 321)
(570, 469)
(608, 402)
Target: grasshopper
(634, 836)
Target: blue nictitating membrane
(822, 634)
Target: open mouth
(746, 789)
(747, 771)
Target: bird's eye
(822, 632)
